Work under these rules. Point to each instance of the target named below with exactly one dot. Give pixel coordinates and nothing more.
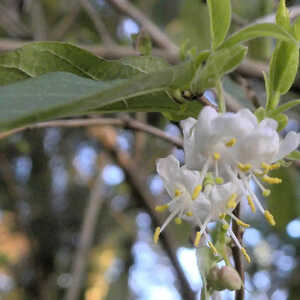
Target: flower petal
(288, 144)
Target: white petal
(289, 144)
(247, 114)
(270, 123)
(168, 169)
(187, 126)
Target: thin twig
(121, 122)
(86, 237)
(38, 21)
(66, 23)
(99, 25)
(237, 255)
(157, 35)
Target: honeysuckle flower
(194, 202)
(237, 148)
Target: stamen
(156, 235)
(275, 166)
(266, 167)
(196, 191)
(271, 180)
(222, 216)
(251, 203)
(213, 248)
(269, 217)
(177, 193)
(232, 201)
(246, 255)
(217, 155)
(241, 223)
(189, 213)
(231, 142)
(161, 208)
(244, 167)
(266, 193)
(178, 221)
(225, 226)
(219, 180)
(238, 221)
(197, 239)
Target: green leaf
(283, 67)
(220, 19)
(39, 58)
(282, 121)
(63, 94)
(260, 113)
(296, 29)
(284, 107)
(284, 199)
(282, 15)
(258, 30)
(218, 64)
(295, 155)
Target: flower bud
(229, 278)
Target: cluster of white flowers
(223, 153)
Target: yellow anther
(271, 180)
(241, 223)
(178, 221)
(225, 226)
(156, 235)
(213, 248)
(266, 192)
(177, 193)
(217, 155)
(266, 167)
(222, 216)
(219, 180)
(275, 166)
(161, 208)
(269, 217)
(231, 142)
(244, 167)
(246, 255)
(197, 239)
(196, 191)
(251, 203)
(189, 213)
(232, 201)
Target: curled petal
(288, 144)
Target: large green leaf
(220, 19)
(258, 30)
(39, 58)
(63, 94)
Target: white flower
(192, 202)
(238, 148)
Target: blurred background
(76, 205)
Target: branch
(99, 25)
(122, 122)
(137, 183)
(86, 237)
(237, 255)
(157, 35)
